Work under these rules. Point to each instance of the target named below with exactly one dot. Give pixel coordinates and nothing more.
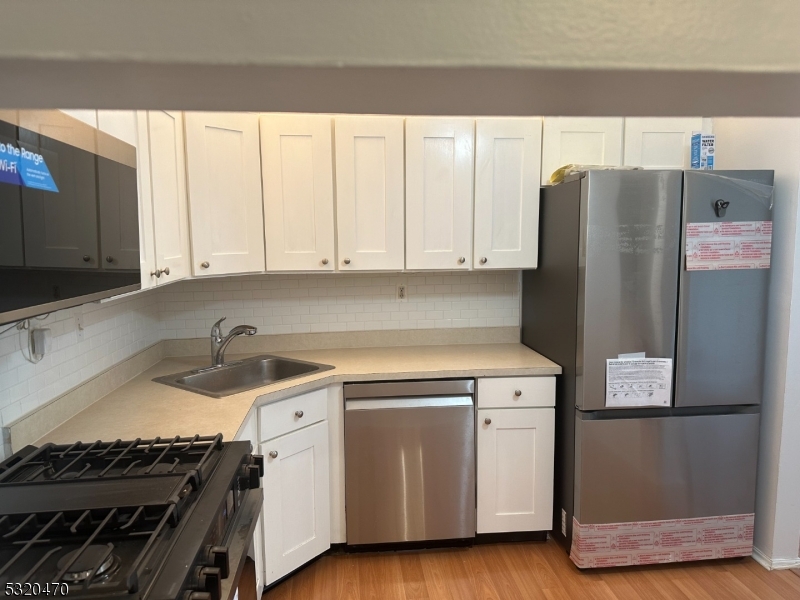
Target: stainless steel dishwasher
(409, 461)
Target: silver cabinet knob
(109, 259)
(165, 270)
(86, 258)
(205, 264)
(488, 421)
(298, 414)
(157, 273)
(346, 261)
(483, 260)
(324, 261)
(518, 392)
(462, 260)
(273, 454)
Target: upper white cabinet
(439, 174)
(507, 175)
(224, 187)
(87, 115)
(369, 193)
(147, 241)
(297, 173)
(168, 189)
(659, 142)
(580, 141)
(119, 123)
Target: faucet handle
(218, 327)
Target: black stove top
(136, 519)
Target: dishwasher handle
(413, 402)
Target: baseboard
(774, 564)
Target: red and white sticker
(732, 245)
(653, 542)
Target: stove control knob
(209, 579)
(197, 596)
(217, 556)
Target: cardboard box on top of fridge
(703, 146)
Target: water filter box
(703, 151)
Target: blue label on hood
(19, 166)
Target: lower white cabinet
(296, 516)
(515, 469)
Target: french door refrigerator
(651, 293)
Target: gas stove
(152, 519)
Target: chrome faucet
(219, 343)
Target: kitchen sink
(240, 376)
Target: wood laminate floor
(540, 571)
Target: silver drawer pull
(346, 261)
(273, 454)
(205, 264)
(483, 260)
(488, 421)
(518, 392)
(462, 260)
(324, 261)
(298, 414)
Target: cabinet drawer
(501, 392)
(282, 417)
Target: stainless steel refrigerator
(655, 462)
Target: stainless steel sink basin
(241, 376)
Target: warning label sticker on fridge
(735, 245)
(638, 382)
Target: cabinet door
(224, 189)
(439, 173)
(659, 142)
(147, 242)
(369, 193)
(507, 167)
(580, 141)
(297, 524)
(61, 227)
(297, 169)
(168, 186)
(515, 469)
(118, 190)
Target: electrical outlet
(402, 292)
(79, 326)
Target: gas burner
(94, 556)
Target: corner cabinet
(507, 174)
(439, 172)
(297, 517)
(223, 177)
(297, 174)
(515, 452)
(370, 193)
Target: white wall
(775, 144)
